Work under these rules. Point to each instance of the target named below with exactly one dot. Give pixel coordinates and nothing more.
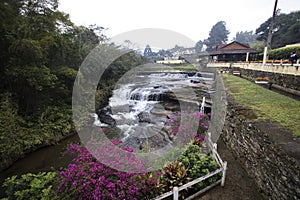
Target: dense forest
(41, 52)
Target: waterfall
(134, 106)
(143, 98)
(97, 121)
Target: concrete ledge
(274, 68)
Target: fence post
(215, 146)
(224, 174)
(209, 136)
(175, 193)
(202, 106)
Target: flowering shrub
(187, 126)
(87, 178)
(198, 140)
(262, 79)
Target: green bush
(283, 53)
(55, 122)
(190, 165)
(30, 186)
(199, 165)
(19, 135)
(173, 174)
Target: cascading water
(142, 99)
(132, 105)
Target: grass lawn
(265, 103)
(184, 67)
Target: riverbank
(48, 158)
(264, 145)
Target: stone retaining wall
(284, 80)
(276, 174)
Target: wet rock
(147, 138)
(232, 125)
(159, 110)
(196, 81)
(169, 131)
(107, 119)
(144, 117)
(104, 116)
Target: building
(183, 51)
(233, 52)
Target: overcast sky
(192, 18)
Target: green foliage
(286, 29)
(185, 67)
(217, 35)
(9, 129)
(56, 122)
(172, 174)
(197, 142)
(34, 77)
(258, 46)
(245, 37)
(26, 51)
(283, 53)
(199, 46)
(199, 165)
(190, 165)
(30, 186)
(64, 84)
(148, 52)
(19, 135)
(41, 50)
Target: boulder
(144, 117)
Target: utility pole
(269, 40)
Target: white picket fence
(223, 166)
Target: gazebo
(233, 52)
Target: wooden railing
(222, 169)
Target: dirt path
(238, 185)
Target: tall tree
(217, 35)
(37, 41)
(286, 29)
(245, 37)
(41, 50)
(199, 46)
(148, 52)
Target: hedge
(283, 53)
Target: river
(44, 159)
(136, 108)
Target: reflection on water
(44, 159)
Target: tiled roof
(233, 48)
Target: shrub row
(283, 53)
